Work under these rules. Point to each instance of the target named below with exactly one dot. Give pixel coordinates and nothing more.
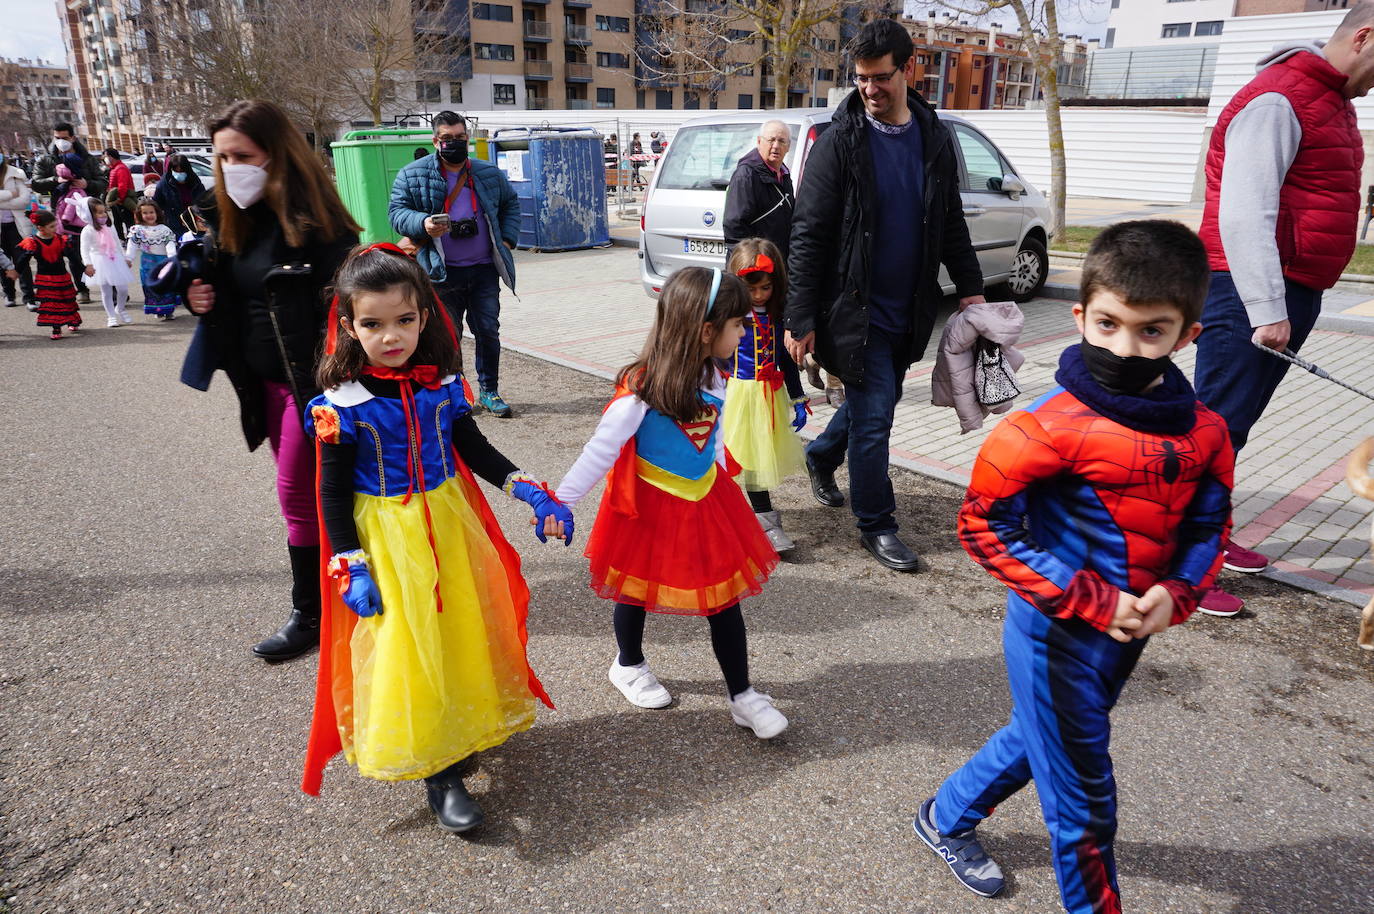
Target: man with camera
(464, 218)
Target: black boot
(302, 629)
(450, 801)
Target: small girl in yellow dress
(422, 641)
(761, 418)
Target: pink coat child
(64, 202)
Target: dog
(1362, 483)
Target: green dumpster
(366, 163)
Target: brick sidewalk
(587, 310)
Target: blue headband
(715, 287)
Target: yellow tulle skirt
(758, 434)
(429, 687)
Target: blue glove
(802, 406)
(545, 505)
(356, 587)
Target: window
(663, 100)
(495, 52)
(605, 98)
(492, 12)
(745, 101)
(426, 92)
(1116, 4)
(1176, 30)
(983, 42)
(1208, 28)
(455, 93)
(703, 158)
(973, 90)
(983, 166)
(825, 75)
(977, 63)
(691, 101)
(614, 61)
(503, 93)
(612, 24)
(1110, 40)
(739, 35)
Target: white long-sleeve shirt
(617, 426)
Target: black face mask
(454, 152)
(1118, 375)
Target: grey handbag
(992, 379)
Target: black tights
(728, 640)
(759, 501)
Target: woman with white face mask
(277, 232)
(179, 189)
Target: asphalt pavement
(149, 763)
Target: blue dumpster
(560, 178)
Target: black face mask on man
(1121, 374)
(454, 152)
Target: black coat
(830, 257)
(44, 179)
(758, 205)
(167, 194)
(296, 285)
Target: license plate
(697, 246)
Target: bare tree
(1038, 22)
(707, 39)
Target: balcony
(577, 34)
(578, 4)
(579, 72)
(533, 103)
(536, 30)
(578, 104)
(536, 2)
(539, 69)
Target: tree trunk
(1054, 125)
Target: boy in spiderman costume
(1103, 507)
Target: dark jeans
(476, 292)
(9, 243)
(862, 427)
(1232, 377)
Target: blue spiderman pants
(1065, 677)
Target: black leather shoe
(450, 801)
(823, 486)
(298, 636)
(889, 550)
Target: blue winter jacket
(419, 192)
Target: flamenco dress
(442, 672)
(758, 420)
(53, 261)
(674, 532)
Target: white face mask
(244, 183)
(63, 145)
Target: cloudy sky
(31, 26)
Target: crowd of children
(1103, 507)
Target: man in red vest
(1283, 200)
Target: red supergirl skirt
(671, 554)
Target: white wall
(1138, 22)
(1130, 154)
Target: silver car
(685, 203)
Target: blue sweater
(899, 223)
(419, 192)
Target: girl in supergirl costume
(674, 533)
(55, 257)
(422, 639)
(761, 424)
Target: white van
(1008, 219)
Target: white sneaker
(125, 317)
(640, 687)
(112, 322)
(755, 710)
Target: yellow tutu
(760, 437)
(429, 687)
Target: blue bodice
(683, 449)
(760, 347)
(378, 426)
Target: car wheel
(1029, 270)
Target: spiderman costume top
(1085, 494)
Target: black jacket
(167, 194)
(296, 286)
(45, 181)
(830, 257)
(757, 205)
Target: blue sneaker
(491, 401)
(966, 858)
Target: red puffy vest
(1319, 203)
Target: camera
(463, 228)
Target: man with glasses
(880, 211)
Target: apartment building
(34, 95)
(1149, 23)
(962, 65)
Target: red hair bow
(762, 264)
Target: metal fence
(1164, 72)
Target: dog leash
(1288, 356)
